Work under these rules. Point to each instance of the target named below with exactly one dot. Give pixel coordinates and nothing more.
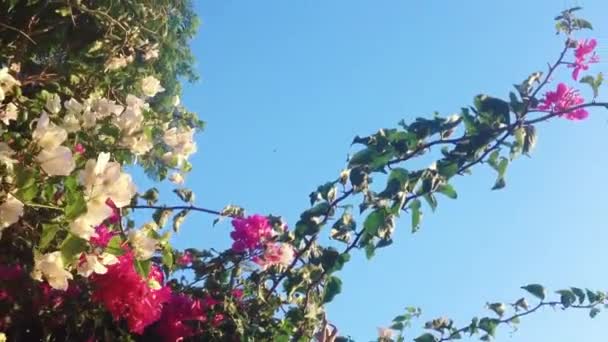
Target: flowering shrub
(89, 87)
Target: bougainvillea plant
(90, 87)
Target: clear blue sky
(285, 87)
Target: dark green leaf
(115, 246)
(333, 286)
(447, 190)
(416, 215)
(536, 290)
(426, 338)
(185, 195)
(567, 297)
(593, 312)
(580, 294)
(143, 267)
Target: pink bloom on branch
(217, 320)
(104, 235)
(78, 148)
(584, 48)
(115, 217)
(180, 309)
(126, 295)
(276, 254)
(237, 293)
(562, 101)
(185, 259)
(250, 233)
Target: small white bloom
(143, 245)
(71, 123)
(9, 113)
(104, 108)
(53, 104)
(181, 141)
(73, 106)
(176, 178)
(89, 119)
(10, 211)
(116, 63)
(7, 83)
(57, 161)
(385, 333)
(150, 86)
(5, 155)
(138, 144)
(151, 53)
(47, 134)
(82, 228)
(50, 267)
(94, 263)
(130, 121)
(103, 179)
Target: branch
(180, 207)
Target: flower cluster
(563, 99)
(127, 296)
(582, 58)
(250, 233)
(181, 309)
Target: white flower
(151, 53)
(103, 179)
(56, 161)
(47, 134)
(89, 119)
(175, 101)
(138, 144)
(50, 267)
(385, 333)
(182, 143)
(53, 104)
(9, 113)
(150, 86)
(83, 228)
(7, 83)
(71, 123)
(94, 263)
(10, 211)
(5, 155)
(129, 122)
(116, 63)
(105, 107)
(143, 245)
(73, 106)
(176, 178)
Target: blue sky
(285, 87)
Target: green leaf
(428, 337)
(185, 195)
(143, 267)
(530, 139)
(567, 297)
(592, 296)
(151, 196)
(398, 326)
(48, 234)
(115, 246)
(71, 247)
(370, 250)
(594, 83)
(416, 215)
(76, 205)
(167, 257)
(536, 290)
(178, 219)
(594, 312)
(582, 24)
(24, 176)
(374, 221)
(489, 325)
(580, 294)
(448, 190)
(333, 287)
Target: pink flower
(581, 62)
(185, 259)
(217, 320)
(276, 254)
(115, 217)
(10, 272)
(250, 233)
(180, 309)
(237, 293)
(127, 296)
(104, 235)
(562, 100)
(209, 302)
(78, 148)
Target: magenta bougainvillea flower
(180, 309)
(563, 99)
(582, 58)
(250, 233)
(127, 296)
